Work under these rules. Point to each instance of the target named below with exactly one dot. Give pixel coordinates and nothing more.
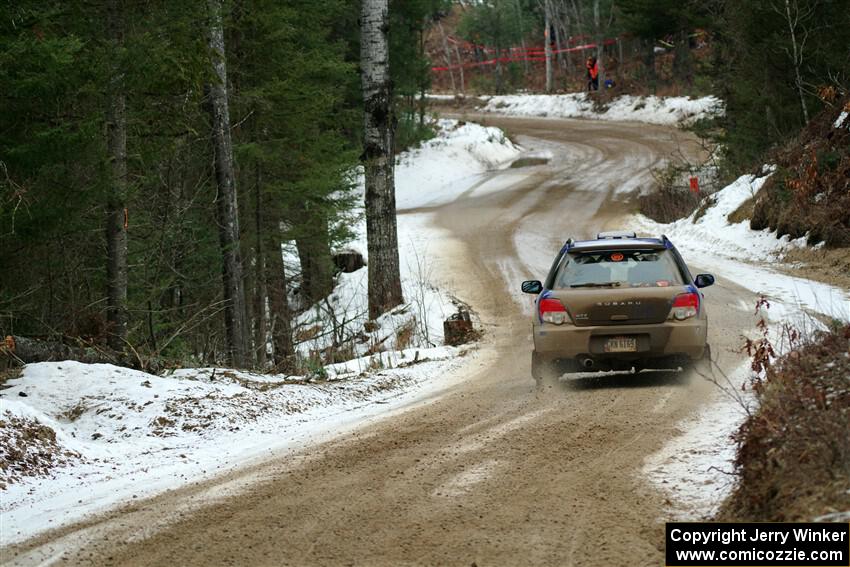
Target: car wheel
(545, 373)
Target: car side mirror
(532, 286)
(704, 280)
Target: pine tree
(52, 182)
(295, 146)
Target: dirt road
(493, 472)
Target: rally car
(618, 302)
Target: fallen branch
(26, 350)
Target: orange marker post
(694, 185)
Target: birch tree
(378, 132)
(116, 223)
(226, 201)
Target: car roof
(618, 243)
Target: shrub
(793, 458)
(671, 198)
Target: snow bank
(650, 109)
(446, 166)
(119, 434)
(441, 96)
(712, 232)
(695, 468)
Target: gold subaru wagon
(618, 302)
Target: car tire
(545, 373)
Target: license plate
(621, 344)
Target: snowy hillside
(443, 167)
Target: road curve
(493, 472)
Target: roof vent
(616, 234)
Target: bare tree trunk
(460, 68)
(423, 79)
(797, 54)
(562, 24)
(116, 223)
(564, 42)
(378, 156)
(226, 199)
(281, 317)
(649, 62)
(522, 36)
(577, 17)
(448, 55)
(620, 61)
(547, 9)
(261, 337)
(597, 26)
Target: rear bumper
(676, 339)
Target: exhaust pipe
(587, 362)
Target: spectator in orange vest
(592, 74)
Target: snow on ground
(693, 469)
(449, 164)
(342, 319)
(127, 434)
(650, 109)
(441, 96)
(103, 435)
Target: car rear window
(618, 268)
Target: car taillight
(685, 306)
(552, 311)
